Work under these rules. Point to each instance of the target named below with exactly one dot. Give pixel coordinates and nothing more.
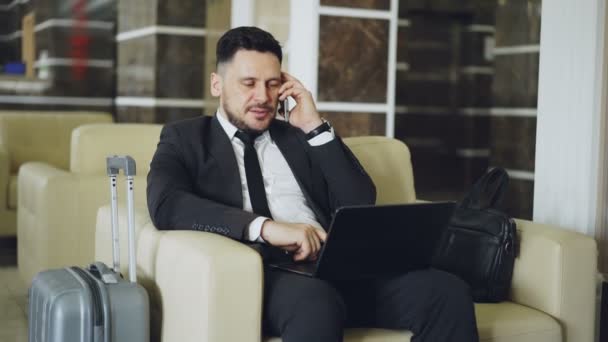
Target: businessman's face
(248, 88)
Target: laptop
(370, 241)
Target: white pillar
(391, 80)
(304, 43)
(242, 13)
(570, 173)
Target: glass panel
(466, 93)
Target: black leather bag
(480, 242)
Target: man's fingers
(316, 240)
(311, 244)
(290, 248)
(300, 255)
(294, 92)
(321, 234)
(285, 86)
(303, 252)
(314, 244)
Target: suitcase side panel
(129, 307)
(59, 308)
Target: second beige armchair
(57, 207)
(27, 136)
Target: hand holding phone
(304, 114)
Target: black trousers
(436, 306)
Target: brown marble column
(169, 66)
(353, 57)
(515, 88)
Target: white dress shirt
(286, 200)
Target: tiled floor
(13, 300)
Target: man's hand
(303, 240)
(304, 115)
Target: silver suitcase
(95, 304)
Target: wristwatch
(324, 127)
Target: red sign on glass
(79, 41)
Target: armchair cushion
(42, 135)
(366, 335)
(388, 163)
(12, 192)
(496, 323)
(27, 136)
(508, 321)
(92, 143)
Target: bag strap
(488, 191)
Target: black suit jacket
(194, 180)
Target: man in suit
(248, 175)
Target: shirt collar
(231, 129)
(228, 127)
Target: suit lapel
(221, 150)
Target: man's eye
(248, 84)
(274, 84)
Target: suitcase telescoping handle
(114, 165)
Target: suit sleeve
(172, 202)
(346, 180)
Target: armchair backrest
(91, 144)
(388, 162)
(42, 135)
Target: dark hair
(246, 38)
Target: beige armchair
(33, 136)
(208, 288)
(57, 208)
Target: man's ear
(216, 84)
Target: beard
(239, 123)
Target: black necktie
(255, 181)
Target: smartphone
(284, 109)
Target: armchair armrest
(556, 272)
(203, 287)
(38, 187)
(211, 288)
(56, 217)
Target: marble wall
(163, 75)
(352, 68)
(352, 59)
(357, 124)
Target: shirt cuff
(322, 138)
(255, 229)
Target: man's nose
(262, 94)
